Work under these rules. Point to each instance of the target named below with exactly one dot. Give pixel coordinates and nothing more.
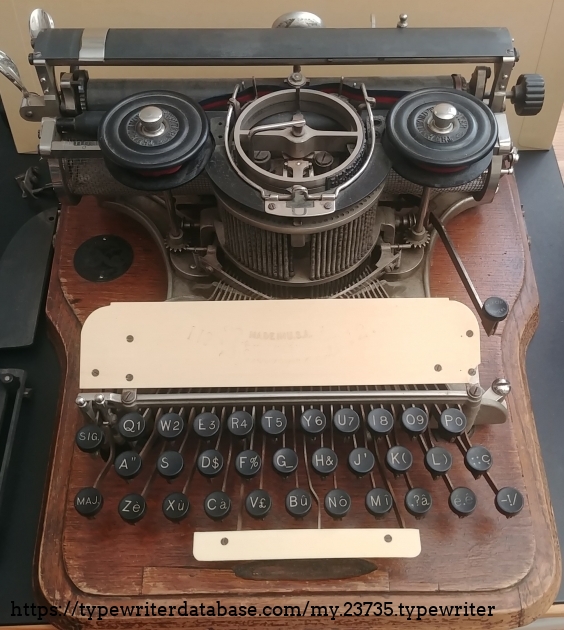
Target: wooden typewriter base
(485, 560)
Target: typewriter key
(452, 424)
(132, 426)
(438, 461)
(378, 501)
(274, 422)
(89, 438)
(298, 502)
(217, 505)
(258, 503)
(399, 459)
(414, 420)
(132, 508)
(337, 503)
(240, 423)
(128, 464)
(285, 461)
(361, 461)
(206, 425)
(418, 502)
(380, 422)
(170, 464)
(478, 460)
(324, 461)
(346, 421)
(176, 506)
(313, 421)
(509, 502)
(170, 426)
(462, 501)
(248, 463)
(210, 462)
(88, 501)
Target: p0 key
(452, 423)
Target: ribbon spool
(155, 141)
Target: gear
(528, 94)
(175, 245)
(418, 242)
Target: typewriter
(292, 315)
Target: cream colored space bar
(295, 544)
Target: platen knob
(528, 95)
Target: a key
(240, 423)
(324, 461)
(414, 420)
(132, 508)
(210, 463)
(313, 421)
(509, 501)
(176, 506)
(298, 502)
(380, 422)
(361, 461)
(478, 460)
(89, 438)
(88, 501)
(258, 503)
(206, 425)
(438, 461)
(462, 501)
(285, 461)
(132, 426)
(346, 421)
(170, 426)
(217, 505)
(452, 423)
(128, 464)
(399, 459)
(378, 501)
(273, 422)
(337, 503)
(418, 502)
(170, 464)
(248, 463)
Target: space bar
(296, 544)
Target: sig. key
(89, 438)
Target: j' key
(418, 502)
(258, 503)
(248, 463)
(132, 426)
(128, 464)
(285, 461)
(438, 461)
(337, 503)
(176, 506)
(217, 505)
(88, 501)
(361, 461)
(132, 508)
(170, 464)
(324, 461)
(240, 423)
(89, 438)
(380, 422)
(170, 426)
(462, 501)
(298, 502)
(210, 463)
(399, 459)
(273, 422)
(206, 425)
(478, 460)
(346, 421)
(452, 423)
(313, 421)
(414, 420)
(509, 502)
(378, 501)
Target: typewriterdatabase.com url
(187, 608)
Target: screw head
(100, 398)
(469, 333)
(129, 377)
(327, 205)
(95, 372)
(272, 206)
(438, 368)
(501, 386)
(472, 372)
(80, 402)
(129, 338)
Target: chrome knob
(298, 19)
(443, 115)
(501, 386)
(151, 119)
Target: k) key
(399, 459)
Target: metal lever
(9, 69)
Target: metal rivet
(129, 377)
(388, 538)
(95, 372)
(129, 338)
(327, 205)
(438, 368)
(472, 372)
(469, 333)
(224, 541)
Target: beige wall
(537, 27)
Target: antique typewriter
(292, 314)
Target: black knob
(274, 422)
(89, 438)
(509, 502)
(346, 421)
(248, 463)
(128, 464)
(380, 422)
(495, 309)
(170, 464)
(258, 503)
(399, 459)
(324, 461)
(378, 501)
(132, 508)
(478, 460)
(337, 502)
(298, 502)
(240, 423)
(414, 420)
(361, 461)
(88, 501)
(170, 426)
(176, 506)
(210, 463)
(462, 501)
(217, 505)
(528, 95)
(452, 423)
(206, 425)
(438, 461)
(418, 502)
(313, 421)
(132, 426)
(285, 461)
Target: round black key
(210, 462)
(170, 464)
(170, 426)
(462, 501)
(285, 461)
(132, 508)
(438, 461)
(379, 501)
(128, 464)
(361, 461)
(274, 422)
(313, 421)
(337, 503)
(206, 425)
(217, 505)
(509, 502)
(346, 421)
(132, 426)
(89, 438)
(418, 502)
(399, 459)
(258, 503)
(478, 460)
(414, 420)
(298, 502)
(88, 501)
(176, 506)
(248, 463)
(380, 422)
(324, 461)
(452, 423)
(240, 423)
